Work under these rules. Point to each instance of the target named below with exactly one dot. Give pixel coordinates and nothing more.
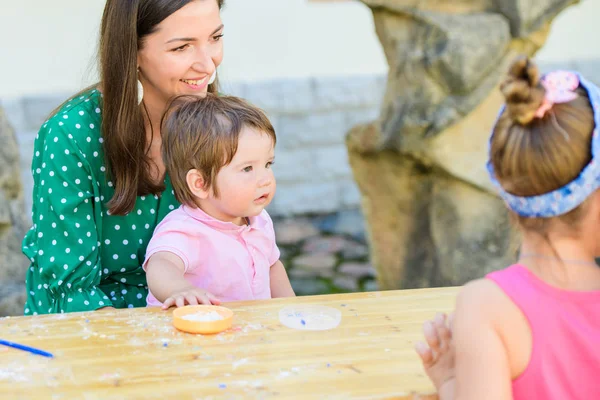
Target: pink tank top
(565, 359)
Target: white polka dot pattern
(80, 252)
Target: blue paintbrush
(26, 348)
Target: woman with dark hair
(100, 186)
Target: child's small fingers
(168, 303)
(424, 352)
(441, 325)
(431, 336)
(205, 299)
(180, 301)
(439, 319)
(191, 299)
(213, 299)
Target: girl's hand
(438, 354)
(193, 296)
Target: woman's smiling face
(181, 55)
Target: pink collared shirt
(230, 261)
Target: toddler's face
(247, 184)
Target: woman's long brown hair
(124, 26)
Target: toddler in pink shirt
(219, 245)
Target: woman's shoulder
(81, 112)
(76, 123)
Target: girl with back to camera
(531, 331)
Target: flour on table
(310, 318)
(203, 316)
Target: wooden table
(136, 353)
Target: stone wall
(311, 117)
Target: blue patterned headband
(568, 197)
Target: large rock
(432, 214)
(13, 224)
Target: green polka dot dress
(83, 258)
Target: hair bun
(522, 90)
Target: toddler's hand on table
(193, 296)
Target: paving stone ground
(326, 253)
